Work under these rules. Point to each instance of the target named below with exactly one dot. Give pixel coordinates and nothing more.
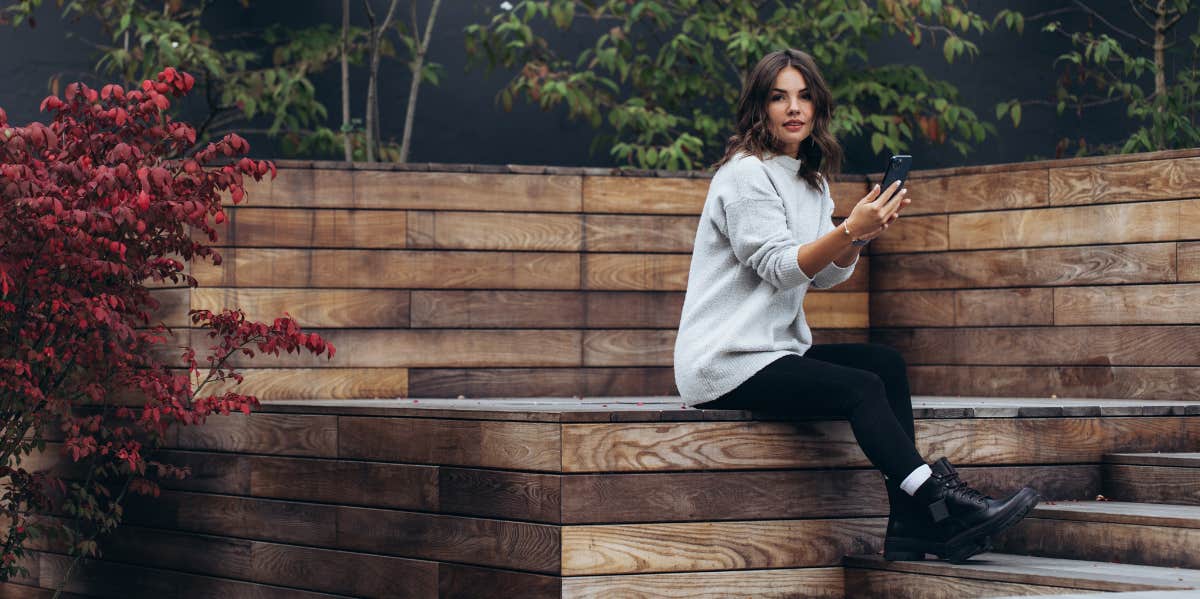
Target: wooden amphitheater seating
(559, 290)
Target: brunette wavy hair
(820, 153)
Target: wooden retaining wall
(1079, 278)
(553, 282)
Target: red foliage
(93, 206)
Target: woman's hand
(876, 211)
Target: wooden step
(1189, 594)
(995, 574)
(1153, 477)
(1109, 531)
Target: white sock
(916, 478)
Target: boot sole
(980, 534)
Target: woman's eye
(776, 97)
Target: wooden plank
(344, 572)
(392, 269)
(173, 306)
(700, 546)
(497, 543)
(1146, 263)
(209, 472)
(386, 308)
(1150, 515)
(1051, 346)
(847, 194)
(541, 382)
(465, 191)
(914, 234)
(400, 486)
(305, 228)
(837, 310)
(1155, 484)
(904, 585)
(639, 233)
(1078, 225)
(1140, 304)
(524, 496)
(278, 434)
(460, 580)
(1178, 460)
(912, 308)
(636, 272)
(498, 308)
(397, 348)
(1181, 383)
(477, 443)
(806, 583)
(1004, 307)
(1189, 261)
(644, 195)
(494, 231)
(1022, 187)
(660, 447)
(274, 384)
(628, 348)
(722, 495)
(243, 517)
(633, 309)
(1125, 182)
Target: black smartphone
(897, 170)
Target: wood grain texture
(173, 306)
(912, 308)
(497, 543)
(644, 195)
(837, 310)
(1139, 304)
(1189, 261)
(343, 572)
(628, 348)
(541, 382)
(305, 228)
(1182, 383)
(460, 580)
(1077, 225)
(403, 348)
(494, 231)
(1164, 546)
(1153, 484)
(805, 583)
(525, 496)
(486, 444)
(466, 191)
(639, 233)
(1147, 263)
(633, 309)
(345, 482)
(273, 384)
(1050, 346)
(657, 447)
(846, 194)
(1004, 307)
(722, 495)
(636, 272)
(904, 585)
(1131, 181)
(392, 269)
(1002, 189)
(701, 546)
(498, 308)
(279, 434)
(311, 308)
(914, 234)
(243, 517)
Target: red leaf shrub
(94, 206)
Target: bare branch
(1101, 18)
(1137, 12)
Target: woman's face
(790, 110)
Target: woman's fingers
(871, 195)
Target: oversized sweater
(745, 295)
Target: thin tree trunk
(417, 63)
(372, 124)
(346, 80)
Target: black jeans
(862, 382)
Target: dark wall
(460, 121)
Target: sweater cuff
(790, 273)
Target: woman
(744, 342)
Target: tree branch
(1099, 17)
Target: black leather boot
(964, 519)
(911, 532)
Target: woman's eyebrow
(801, 90)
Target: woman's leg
(804, 387)
(885, 362)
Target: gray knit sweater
(744, 303)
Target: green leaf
(1016, 114)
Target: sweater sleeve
(832, 274)
(756, 225)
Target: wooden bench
(567, 497)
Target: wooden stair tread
(1075, 574)
(1122, 512)
(1183, 459)
(1182, 594)
(669, 408)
